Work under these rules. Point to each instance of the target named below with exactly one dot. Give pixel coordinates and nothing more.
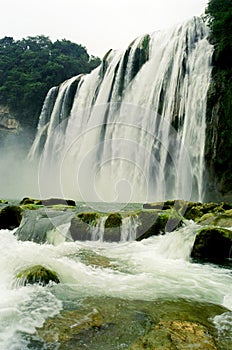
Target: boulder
(212, 244)
(154, 222)
(10, 217)
(37, 275)
(80, 225)
(112, 231)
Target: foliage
(31, 66)
(219, 13)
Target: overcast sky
(99, 25)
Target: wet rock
(10, 217)
(212, 244)
(101, 323)
(80, 225)
(221, 219)
(38, 225)
(48, 202)
(176, 335)
(155, 222)
(37, 275)
(195, 211)
(112, 227)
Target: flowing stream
(158, 268)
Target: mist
(18, 176)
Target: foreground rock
(10, 217)
(37, 275)
(112, 323)
(212, 244)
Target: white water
(131, 137)
(158, 267)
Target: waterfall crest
(133, 129)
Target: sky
(99, 25)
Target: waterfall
(134, 128)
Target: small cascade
(128, 228)
(97, 231)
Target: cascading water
(133, 129)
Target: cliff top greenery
(31, 66)
(220, 19)
(219, 13)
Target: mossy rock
(176, 335)
(195, 211)
(80, 225)
(153, 223)
(48, 202)
(27, 201)
(221, 219)
(10, 217)
(30, 206)
(3, 201)
(37, 275)
(112, 232)
(107, 323)
(113, 220)
(212, 244)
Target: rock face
(10, 217)
(37, 275)
(7, 121)
(212, 244)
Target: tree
(31, 66)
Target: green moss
(113, 220)
(90, 218)
(37, 274)
(3, 201)
(145, 42)
(30, 206)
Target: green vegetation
(219, 109)
(31, 66)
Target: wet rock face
(155, 222)
(176, 335)
(80, 225)
(112, 228)
(10, 217)
(212, 244)
(113, 323)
